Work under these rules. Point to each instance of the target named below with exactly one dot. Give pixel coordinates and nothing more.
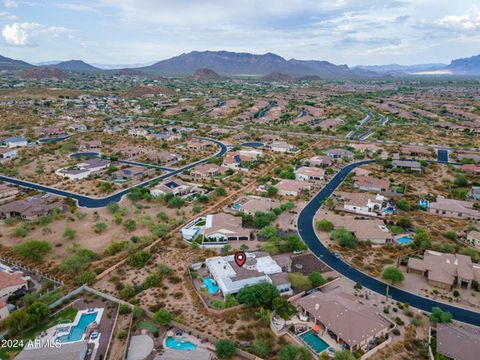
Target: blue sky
(142, 31)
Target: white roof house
(231, 278)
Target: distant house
(474, 157)
(216, 229)
(283, 147)
(473, 238)
(207, 170)
(88, 145)
(306, 173)
(471, 169)
(138, 132)
(337, 154)
(7, 191)
(411, 150)
(369, 183)
(241, 159)
(287, 187)
(445, 270)
(7, 153)
(83, 169)
(77, 127)
(259, 267)
(340, 315)
(13, 142)
(12, 283)
(454, 208)
(30, 208)
(458, 342)
(475, 193)
(320, 161)
(163, 157)
(407, 164)
(362, 203)
(252, 204)
(175, 187)
(133, 173)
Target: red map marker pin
(240, 258)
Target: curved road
(89, 202)
(307, 233)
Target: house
(407, 164)
(362, 203)
(216, 229)
(13, 142)
(7, 153)
(475, 193)
(252, 204)
(165, 136)
(320, 161)
(175, 187)
(368, 183)
(473, 238)
(307, 173)
(76, 350)
(474, 157)
(411, 150)
(454, 208)
(30, 208)
(133, 173)
(207, 170)
(77, 127)
(282, 147)
(337, 154)
(12, 283)
(445, 270)
(83, 169)
(458, 342)
(258, 267)
(88, 145)
(471, 169)
(138, 132)
(287, 187)
(241, 159)
(7, 191)
(163, 157)
(337, 313)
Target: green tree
(262, 348)
(16, 322)
(317, 279)
(460, 181)
(99, 227)
(113, 207)
(86, 277)
(258, 295)
(37, 312)
(163, 317)
(393, 274)
(268, 232)
(343, 237)
(405, 222)
(175, 202)
(440, 316)
(292, 352)
(130, 225)
(299, 281)
(34, 250)
(225, 349)
(139, 259)
(324, 225)
(69, 233)
(272, 191)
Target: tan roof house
(287, 187)
(369, 183)
(454, 208)
(11, 283)
(458, 342)
(207, 170)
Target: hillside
(12, 64)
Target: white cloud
(19, 34)
(75, 7)
(10, 4)
(469, 21)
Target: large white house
(83, 169)
(258, 267)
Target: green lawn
(67, 315)
(148, 326)
(395, 229)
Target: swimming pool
(76, 332)
(404, 240)
(210, 285)
(179, 344)
(315, 342)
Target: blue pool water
(404, 240)
(211, 287)
(76, 332)
(315, 342)
(236, 206)
(177, 344)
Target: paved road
(89, 202)
(307, 233)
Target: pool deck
(190, 338)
